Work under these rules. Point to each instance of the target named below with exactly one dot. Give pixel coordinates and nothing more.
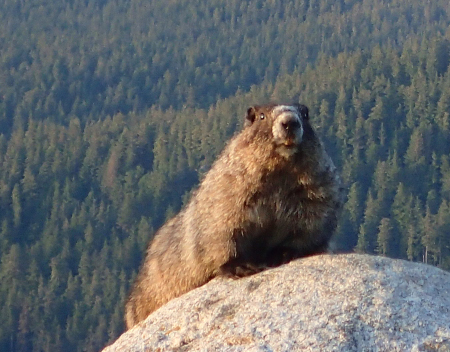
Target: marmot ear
(250, 117)
(303, 110)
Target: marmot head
(285, 125)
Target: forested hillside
(111, 111)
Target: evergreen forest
(111, 111)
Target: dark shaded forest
(111, 111)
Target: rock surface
(323, 303)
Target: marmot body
(272, 196)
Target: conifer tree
(384, 237)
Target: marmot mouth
(290, 143)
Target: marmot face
(284, 125)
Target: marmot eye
(262, 116)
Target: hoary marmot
(272, 196)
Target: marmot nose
(290, 124)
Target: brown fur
(272, 196)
